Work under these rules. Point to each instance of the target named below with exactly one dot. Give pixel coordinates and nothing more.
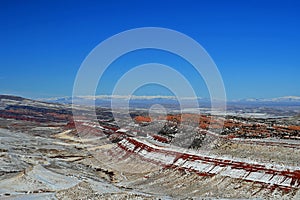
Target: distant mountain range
(278, 99)
(106, 100)
(283, 106)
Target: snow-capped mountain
(278, 99)
(133, 97)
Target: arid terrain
(46, 152)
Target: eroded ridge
(286, 178)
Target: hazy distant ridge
(133, 97)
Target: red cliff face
(233, 128)
(141, 119)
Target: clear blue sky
(255, 44)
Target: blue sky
(255, 44)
